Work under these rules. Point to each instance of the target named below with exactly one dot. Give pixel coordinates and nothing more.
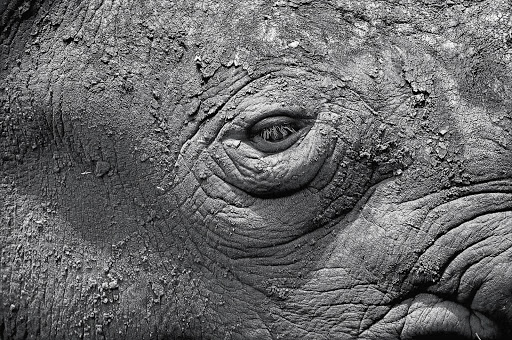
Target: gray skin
(256, 170)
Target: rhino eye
(277, 133)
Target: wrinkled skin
(255, 170)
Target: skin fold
(255, 170)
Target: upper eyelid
(274, 120)
(278, 126)
(296, 123)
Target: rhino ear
(13, 11)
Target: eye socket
(277, 133)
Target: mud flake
(102, 168)
(144, 157)
(113, 284)
(154, 104)
(158, 291)
(441, 150)
(232, 143)
(443, 131)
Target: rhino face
(247, 170)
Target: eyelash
(276, 132)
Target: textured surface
(133, 204)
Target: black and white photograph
(256, 169)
